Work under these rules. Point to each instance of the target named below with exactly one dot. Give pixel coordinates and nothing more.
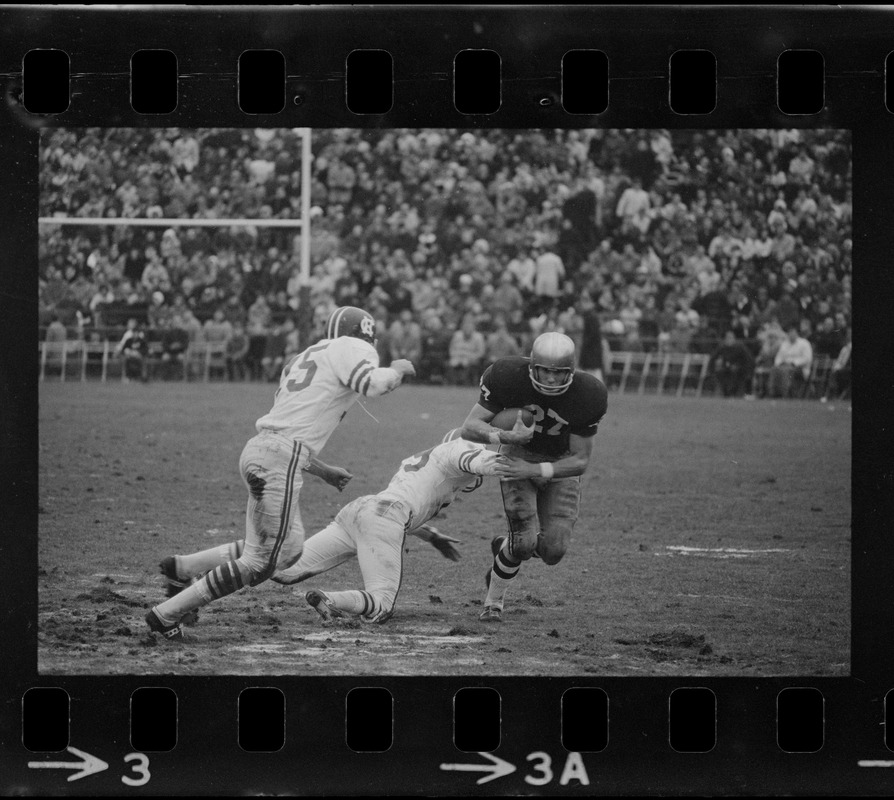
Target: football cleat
(174, 584)
(171, 632)
(554, 352)
(491, 614)
(321, 603)
(351, 321)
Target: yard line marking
(733, 597)
(686, 549)
(867, 763)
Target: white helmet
(554, 351)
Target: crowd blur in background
(464, 245)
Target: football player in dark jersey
(541, 496)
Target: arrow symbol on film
(497, 768)
(86, 766)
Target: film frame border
(639, 42)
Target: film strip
(470, 719)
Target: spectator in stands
(591, 351)
(218, 329)
(792, 363)
(732, 365)
(236, 352)
(548, 276)
(435, 349)
(174, 346)
(293, 339)
(405, 338)
(259, 322)
(134, 348)
(840, 376)
(467, 348)
(507, 298)
(273, 357)
(500, 343)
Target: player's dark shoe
(172, 632)
(321, 603)
(491, 614)
(174, 584)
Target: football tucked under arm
(509, 426)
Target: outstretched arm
(443, 544)
(575, 463)
(334, 476)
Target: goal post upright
(305, 313)
(305, 318)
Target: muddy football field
(714, 539)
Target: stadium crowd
(464, 245)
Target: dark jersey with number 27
(507, 384)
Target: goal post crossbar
(174, 222)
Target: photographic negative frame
(422, 754)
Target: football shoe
(321, 603)
(491, 614)
(174, 584)
(170, 632)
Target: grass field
(714, 539)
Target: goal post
(303, 223)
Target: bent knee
(552, 554)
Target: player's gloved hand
(442, 543)
(337, 477)
(404, 367)
(520, 433)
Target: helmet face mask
(351, 321)
(554, 353)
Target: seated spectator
(792, 363)
(134, 347)
(732, 365)
(840, 377)
(770, 337)
(500, 343)
(467, 347)
(237, 350)
(174, 344)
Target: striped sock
(221, 581)
(199, 563)
(354, 602)
(502, 572)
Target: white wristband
(546, 469)
(494, 437)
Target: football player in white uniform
(373, 527)
(316, 389)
